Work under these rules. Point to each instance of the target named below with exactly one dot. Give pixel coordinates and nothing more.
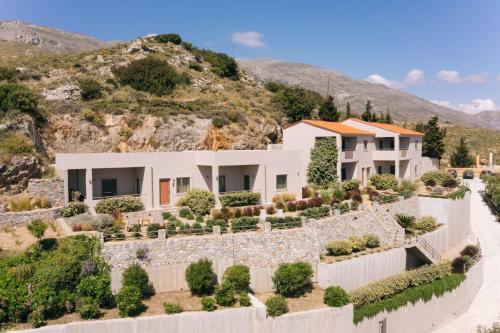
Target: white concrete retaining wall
(357, 272)
(429, 164)
(438, 239)
(453, 213)
(427, 316)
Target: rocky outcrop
(14, 176)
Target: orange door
(164, 192)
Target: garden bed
(18, 239)
(330, 259)
(309, 301)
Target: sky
(446, 51)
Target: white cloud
(415, 76)
(475, 106)
(249, 38)
(379, 79)
(452, 76)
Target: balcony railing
(348, 154)
(403, 153)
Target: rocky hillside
(401, 105)
(48, 39)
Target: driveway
(485, 309)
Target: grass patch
(12, 144)
(410, 295)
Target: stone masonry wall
(11, 219)
(51, 188)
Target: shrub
(354, 205)
(208, 304)
(386, 198)
(92, 116)
(276, 306)
(74, 208)
(119, 204)
(371, 241)
(98, 288)
(284, 197)
(430, 182)
(209, 225)
(343, 207)
(199, 201)
(37, 228)
(316, 212)
(338, 194)
(238, 199)
(237, 276)
(335, 297)
(184, 212)
(221, 64)
(385, 181)
(129, 301)
(439, 177)
(18, 97)
(36, 318)
(270, 210)
(39, 202)
(405, 221)
(88, 308)
(426, 224)
(284, 222)
(244, 299)
(437, 190)
(322, 168)
(244, 223)
(470, 250)
(136, 276)
(407, 186)
(293, 280)
(357, 243)
(339, 247)
(194, 65)
(224, 295)
(90, 89)
(200, 277)
(450, 183)
(351, 184)
(458, 264)
(168, 38)
(172, 308)
(291, 206)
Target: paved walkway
(485, 309)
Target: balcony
(403, 153)
(347, 154)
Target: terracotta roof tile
(337, 127)
(390, 127)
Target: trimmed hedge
(238, 199)
(387, 198)
(199, 201)
(244, 224)
(316, 212)
(284, 222)
(120, 204)
(293, 280)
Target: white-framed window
(182, 184)
(281, 182)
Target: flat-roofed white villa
(162, 178)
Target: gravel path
(485, 309)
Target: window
(182, 184)
(222, 184)
(108, 187)
(392, 144)
(343, 174)
(379, 169)
(281, 182)
(365, 145)
(344, 144)
(393, 169)
(246, 183)
(416, 144)
(381, 145)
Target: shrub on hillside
(293, 279)
(119, 204)
(220, 63)
(237, 276)
(37, 228)
(136, 276)
(371, 241)
(200, 277)
(199, 201)
(343, 207)
(98, 288)
(244, 299)
(12, 144)
(439, 177)
(90, 89)
(276, 306)
(151, 75)
(385, 181)
(172, 308)
(18, 97)
(168, 38)
(335, 297)
(238, 199)
(316, 212)
(129, 301)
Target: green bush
(88, 308)
(341, 247)
(98, 288)
(439, 177)
(199, 201)
(221, 64)
(208, 304)
(136, 276)
(293, 280)
(12, 144)
(316, 212)
(36, 318)
(343, 207)
(172, 308)
(386, 198)
(426, 224)
(244, 299)
(238, 276)
(90, 89)
(18, 97)
(470, 250)
(276, 306)
(238, 199)
(284, 222)
(8, 73)
(224, 294)
(357, 243)
(168, 38)
(335, 297)
(244, 223)
(200, 277)
(405, 221)
(74, 208)
(151, 75)
(407, 187)
(184, 212)
(351, 184)
(322, 169)
(382, 289)
(129, 301)
(120, 204)
(195, 65)
(385, 181)
(37, 228)
(371, 241)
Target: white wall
(429, 164)
(357, 272)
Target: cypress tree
(367, 115)
(387, 119)
(328, 110)
(461, 157)
(432, 142)
(348, 110)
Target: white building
(162, 178)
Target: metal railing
(414, 238)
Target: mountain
(48, 39)
(490, 117)
(402, 106)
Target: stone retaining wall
(52, 188)
(11, 219)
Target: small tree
(90, 89)
(200, 277)
(136, 276)
(367, 115)
(296, 103)
(37, 228)
(322, 169)
(328, 110)
(386, 118)
(433, 140)
(461, 157)
(348, 113)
